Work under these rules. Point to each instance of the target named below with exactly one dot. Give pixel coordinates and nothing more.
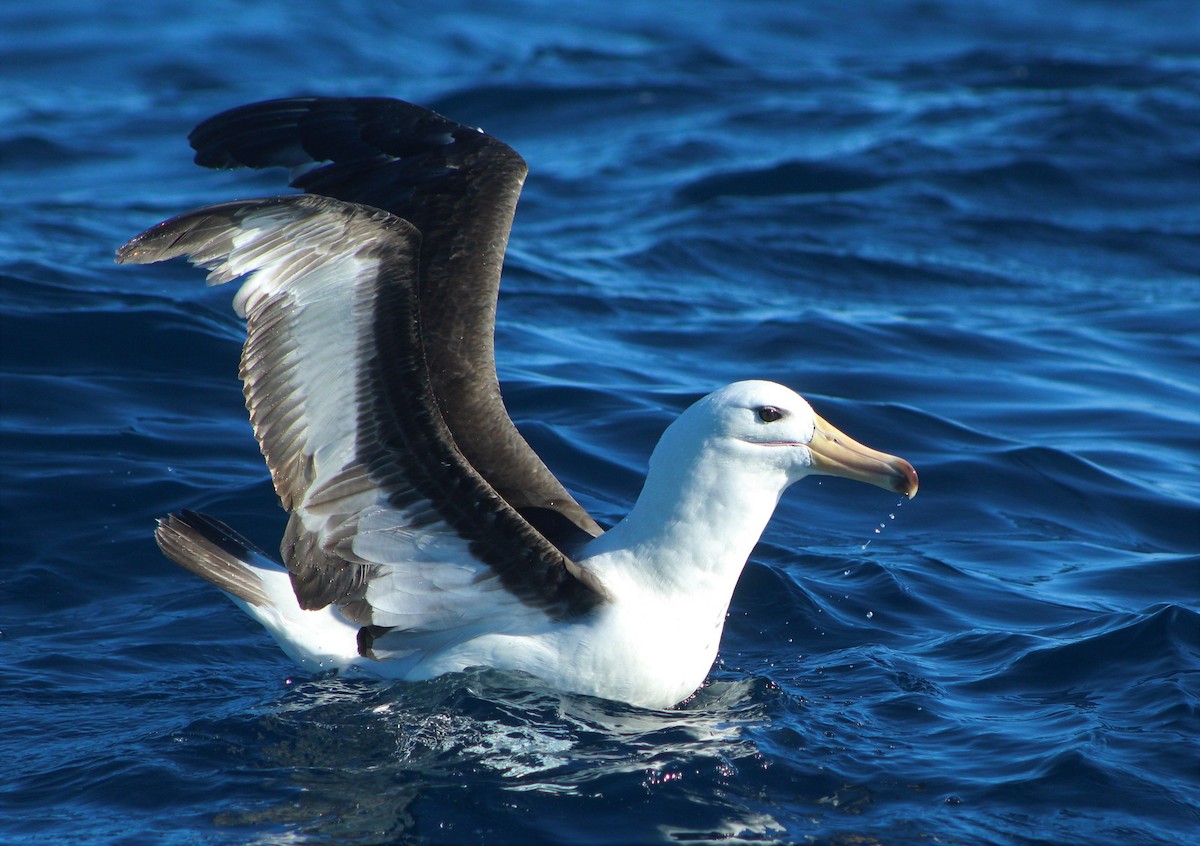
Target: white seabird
(425, 536)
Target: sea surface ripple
(969, 233)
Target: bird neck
(695, 523)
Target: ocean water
(969, 233)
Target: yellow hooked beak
(837, 454)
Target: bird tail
(317, 640)
(216, 553)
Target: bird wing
(390, 521)
(459, 187)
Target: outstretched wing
(458, 186)
(389, 520)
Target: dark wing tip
(151, 246)
(297, 131)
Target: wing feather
(458, 186)
(388, 519)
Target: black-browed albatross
(425, 535)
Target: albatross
(425, 536)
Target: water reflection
(358, 762)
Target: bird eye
(769, 414)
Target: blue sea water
(969, 233)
